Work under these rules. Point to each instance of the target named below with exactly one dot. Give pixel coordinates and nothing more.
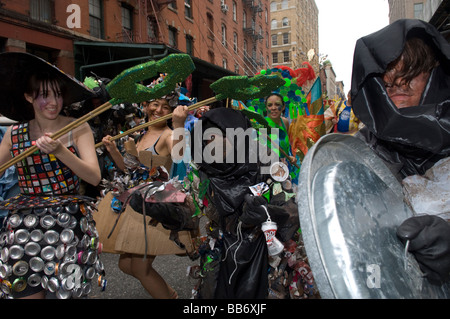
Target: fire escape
(153, 8)
(253, 6)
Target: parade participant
(401, 92)
(347, 122)
(234, 258)
(51, 224)
(275, 109)
(157, 139)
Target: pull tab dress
(49, 240)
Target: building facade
(224, 37)
(294, 32)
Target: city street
(122, 286)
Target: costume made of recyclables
(234, 259)
(49, 233)
(391, 132)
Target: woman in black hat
(54, 245)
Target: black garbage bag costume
(410, 140)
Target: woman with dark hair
(51, 224)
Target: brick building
(294, 32)
(224, 37)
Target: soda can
(5, 271)
(34, 280)
(32, 249)
(4, 254)
(77, 292)
(85, 241)
(89, 273)
(31, 221)
(22, 236)
(3, 238)
(55, 210)
(72, 208)
(20, 268)
(44, 282)
(87, 287)
(60, 251)
(15, 220)
(49, 268)
(99, 267)
(84, 224)
(63, 294)
(73, 223)
(71, 253)
(66, 236)
(19, 284)
(36, 264)
(51, 237)
(40, 211)
(63, 220)
(36, 235)
(16, 252)
(53, 284)
(82, 257)
(10, 238)
(47, 221)
(48, 253)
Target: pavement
(122, 286)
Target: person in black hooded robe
(244, 261)
(401, 92)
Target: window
(273, 6)
(285, 38)
(127, 22)
(418, 10)
(234, 11)
(211, 57)
(275, 57)
(189, 45)
(173, 5)
(244, 20)
(266, 15)
(285, 22)
(210, 22)
(187, 9)
(245, 47)
(95, 18)
(236, 68)
(235, 42)
(274, 39)
(173, 33)
(286, 56)
(284, 4)
(224, 63)
(274, 24)
(41, 10)
(224, 35)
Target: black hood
(416, 136)
(228, 182)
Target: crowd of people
(251, 246)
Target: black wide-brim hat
(15, 71)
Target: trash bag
(244, 266)
(172, 216)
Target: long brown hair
(417, 57)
